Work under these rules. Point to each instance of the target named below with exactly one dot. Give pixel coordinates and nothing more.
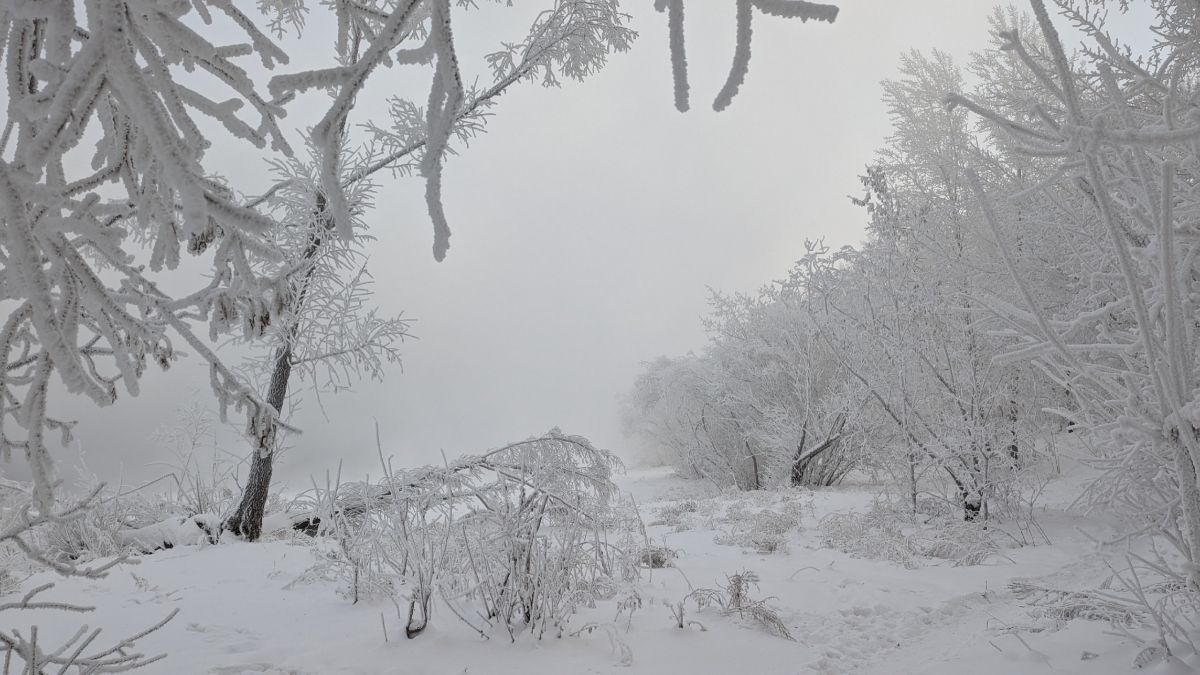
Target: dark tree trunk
(972, 501)
(754, 464)
(1014, 447)
(800, 474)
(247, 520)
(972, 508)
(912, 479)
(797, 464)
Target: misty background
(588, 224)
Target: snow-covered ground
(258, 608)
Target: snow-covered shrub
(204, 528)
(200, 485)
(761, 521)
(738, 587)
(513, 540)
(1147, 601)
(959, 542)
(676, 514)
(884, 532)
(936, 507)
(765, 531)
(688, 514)
(13, 561)
(120, 523)
(138, 520)
(1064, 605)
(734, 599)
(92, 535)
(876, 534)
(82, 651)
(536, 567)
(656, 557)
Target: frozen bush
(126, 523)
(734, 600)
(513, 540)
(763, 521)
(884, 533)
(1063, 605)
(765, 532)
(656, 557)
(876, 535)
(92, 535)
(960, 542)
(19, 523)
(677, 514)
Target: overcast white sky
(588, 224)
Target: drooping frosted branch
(788, 9)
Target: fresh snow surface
(258, 608)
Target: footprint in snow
(230, 640)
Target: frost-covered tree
(328, 330)
(760, 406)
(329, 335)
(568, 40)
(88, 237)
(86, 234)
(884, 345)
(673, 407)
(1121, 131)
